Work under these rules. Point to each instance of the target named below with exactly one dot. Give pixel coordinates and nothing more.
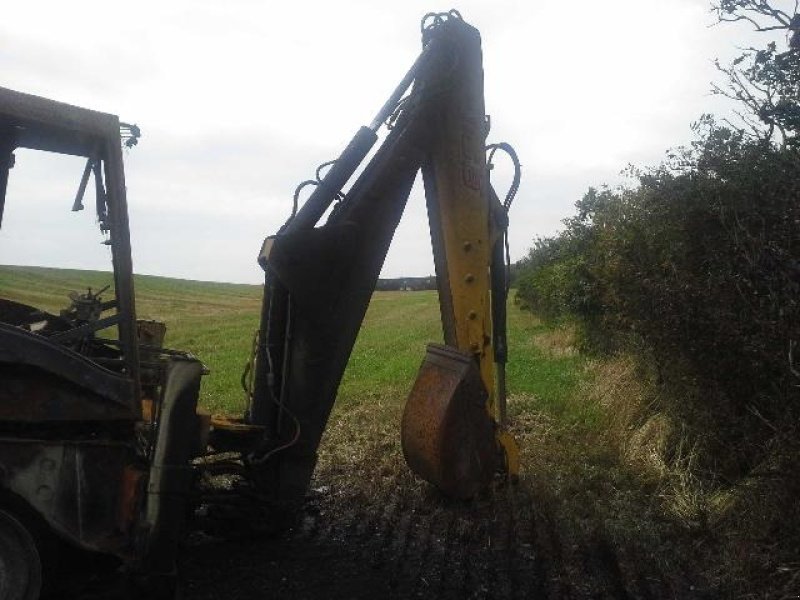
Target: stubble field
(579, 523)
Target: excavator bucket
(447, 434)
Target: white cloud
(240, 101)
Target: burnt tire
(20, 563)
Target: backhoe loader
(102, 445)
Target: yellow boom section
(450, 432)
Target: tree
(765, 81)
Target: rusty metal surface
(86, 491)
(42, 381)
(171, 475)
(447, 434)
(235, 435)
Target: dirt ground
(574, 526)
(400, 542)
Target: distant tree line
(412, 284)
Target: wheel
(20, 564)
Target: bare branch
(777, 14)
(749, 10)
(756, 25)
(736, 18)
(762, 80)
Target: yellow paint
(459, 167)
(510, 452)
(462, 200)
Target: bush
(700, 265)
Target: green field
(573, 416)
(216, 322)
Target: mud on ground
(576, 525)
(573, 526)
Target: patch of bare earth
(573, 526)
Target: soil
(576, 525)
(401, 542)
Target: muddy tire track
(402, 540)
(405, 541)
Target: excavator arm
(319, 278)
(122, 414)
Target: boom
(102, 445)
(319, 279)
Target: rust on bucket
(447, 434)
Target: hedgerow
(697, 268)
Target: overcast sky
(239, 101)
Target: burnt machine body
(97, 424)
(101, 442)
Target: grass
(216, 321)
(595, 452)
(545, 370)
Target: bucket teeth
(448, 436)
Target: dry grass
(603, 458)
(618, 388)
(747, 531)
(362, 439)
(558, 342)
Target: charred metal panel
(6, 162)
(324, 321)
(31, 395)
(34, 113)
(28, 121)
(121, 257)
(309, 261)
(43, 381)
(81, 489)
(171, 475)
(30, 318)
